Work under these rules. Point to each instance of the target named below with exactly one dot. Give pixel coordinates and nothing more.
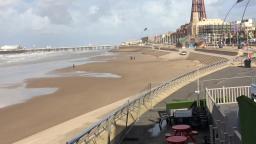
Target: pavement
(146, 130)
(232, 117)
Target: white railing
(103, 130)
(209, 101)
(227, 94)
(217, 132)
(214, 99)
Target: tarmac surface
(220, 51)
(146, 129)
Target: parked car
(183, 53)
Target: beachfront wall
(247, 111)
(114, 127)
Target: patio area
(147, 131)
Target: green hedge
(247, 115)
(181, 104)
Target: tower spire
(202, 10)
(198, 8)
(194, 11)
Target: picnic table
(183, 130)
(176, 139)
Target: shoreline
(74, 95)
(13, 85)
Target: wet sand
(79, 95)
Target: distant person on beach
(132, 57)
(73, 66)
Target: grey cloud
(78, 22)
(7, 3)
(56, 10)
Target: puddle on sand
(89, 74)
(19, 94)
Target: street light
(198, 89)
(214, 40)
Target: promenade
(146, 130)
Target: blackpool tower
(198, 12)
(202, 12)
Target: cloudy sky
(81, 22)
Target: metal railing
(105, 130)
(216, 97)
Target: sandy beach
(78, 95)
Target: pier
(59, 49)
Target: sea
(15, 69)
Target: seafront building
(10, 47)
(132, 42)
(209, 31)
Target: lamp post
(198, 89)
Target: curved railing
(134, 107)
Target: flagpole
(142, 33)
